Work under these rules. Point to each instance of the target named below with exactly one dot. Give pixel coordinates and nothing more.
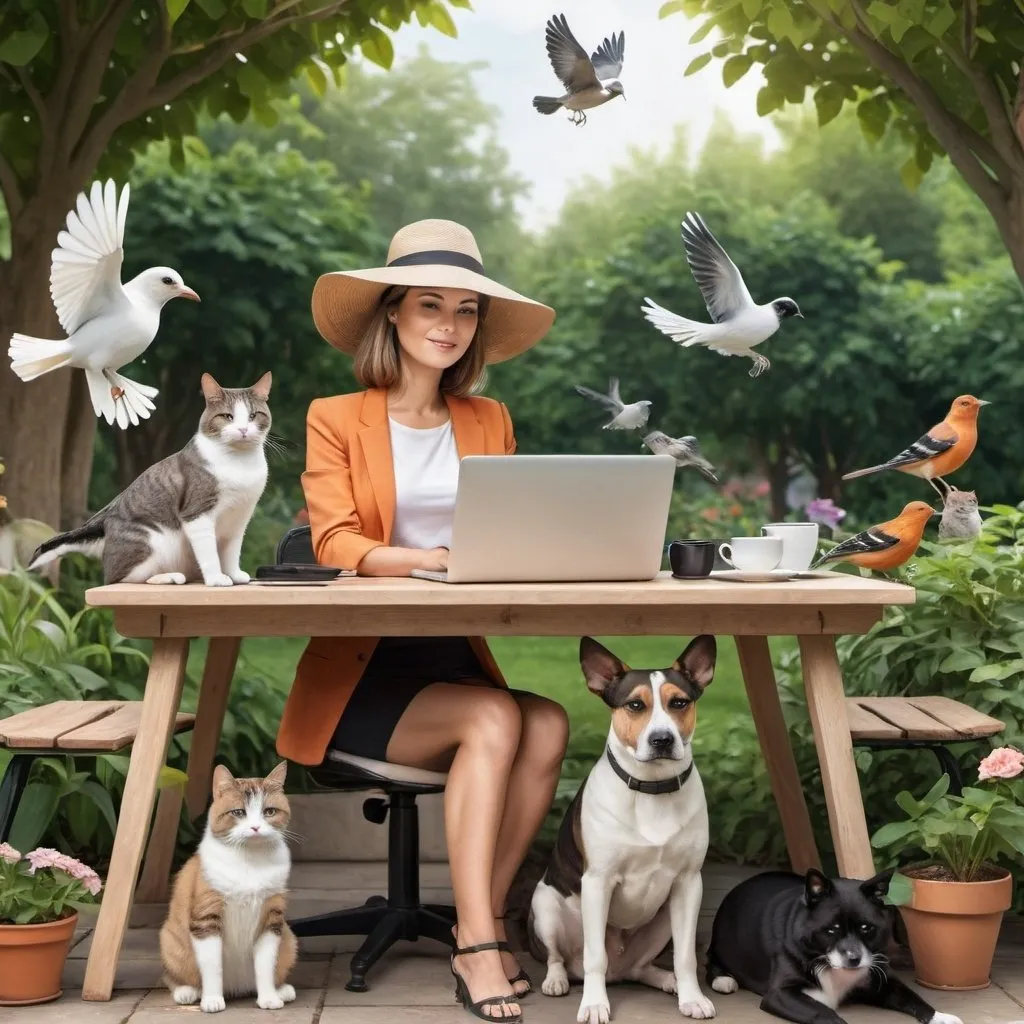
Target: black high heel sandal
(462, 990)
(522, 976)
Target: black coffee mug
(691, 559)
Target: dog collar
(642, 786)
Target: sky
(552, 154)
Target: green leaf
(697, 63)
(780, 21)
(828, 101)
(768, 100)
(442, 20)
(672, 7)
(214, 9)
(983, 33)
(255, 8)
(175, 9)
(377, 47)
(316, 78)
(901, 890)
(704, 31)
(752, 8)
(941, 21)
(35, 812)
(958, 661)
(893, 832)
(19, 46)
(1000, 670)
(735, 68)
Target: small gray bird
(685, 450)
(627, 417)
(960, 517)
(589, 81)
(740, 324)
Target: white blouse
(426, 465)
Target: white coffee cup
(799, 543)
(752, 554)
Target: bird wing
(607, 58)
(608, 402)
(85, 273)
(865, 543)
(720, 282)
(568, 58)
(613, 391)
(938, 440)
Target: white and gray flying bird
(685, 450)
(626, 417)
(740, 324)
(589, 81)
(108, 324)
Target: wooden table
(812, 610)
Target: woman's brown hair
(377, 362)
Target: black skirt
(399, 668)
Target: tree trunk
(1011, 228)
(46, 426)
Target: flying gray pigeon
(108, 324)
(627, 417)
(740, 324)
(685, 450)
(589, 81)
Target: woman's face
(436, 325)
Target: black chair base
(383, 925)
(12, 786)
(399, 915)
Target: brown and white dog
(624, 875)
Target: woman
(380, 480)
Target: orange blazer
(349, 484)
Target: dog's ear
(600, 667)
(876, 888)
(698, 660)
(816, 887)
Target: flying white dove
(740, 324)
(108, 324)
(589, 81)
(627, 417)
(685, 450)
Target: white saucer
(769, 576)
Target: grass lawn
(549, 666)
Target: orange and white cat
(225, 933)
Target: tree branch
(33, 94)
(942, 123)
(10, 188)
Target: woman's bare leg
(531, 789)
(482, 726)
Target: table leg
(763, 694)
(221, 657)
(159, 707)
(826, 705)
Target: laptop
(550, 518)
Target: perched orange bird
(944, 449)
(887, 545)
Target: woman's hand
(435, 560)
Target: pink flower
(826, 512)
(1002, 763)
(42, 857)
(9, 853)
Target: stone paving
(413, 984)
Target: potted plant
(953, 901)
(40, 895)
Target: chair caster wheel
(375, 809)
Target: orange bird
(944, 449)
(887, 545)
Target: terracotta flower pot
(32, 959)
(953, 927)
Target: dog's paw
(286, 993)
(270, 1001)
(945, 1018)
(185, 995)
(697, 1006)
(724, 984)
(594, 1013)
(556, 983)
(212, 1004)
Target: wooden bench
(932, 722)
(65, 727)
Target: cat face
(961, 498)
(249, 810)
(237, 417)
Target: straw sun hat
(428, 254)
